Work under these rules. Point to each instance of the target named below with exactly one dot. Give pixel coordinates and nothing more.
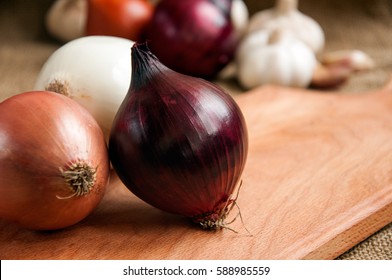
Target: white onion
(95, 71)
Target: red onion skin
(41, 133)
(179, 143)
(193, 37)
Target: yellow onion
(54, 165)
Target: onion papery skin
(42, 135)
(193, 37)
(179, 143)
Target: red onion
(178, 142)
(193, 37)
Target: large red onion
(193, 37)
(178, 142)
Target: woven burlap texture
(376, 247)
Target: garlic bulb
(274, 58)
(66, 19)
(285, 15)
(95, 71)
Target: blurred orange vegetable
(121, 18)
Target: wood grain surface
(318, 180)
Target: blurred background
(25, 45)
(348, 24)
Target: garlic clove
(330, 76)
(336, 67)
(66, 19)
(357, 60)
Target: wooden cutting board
(318, 180)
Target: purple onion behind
(193, 37)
